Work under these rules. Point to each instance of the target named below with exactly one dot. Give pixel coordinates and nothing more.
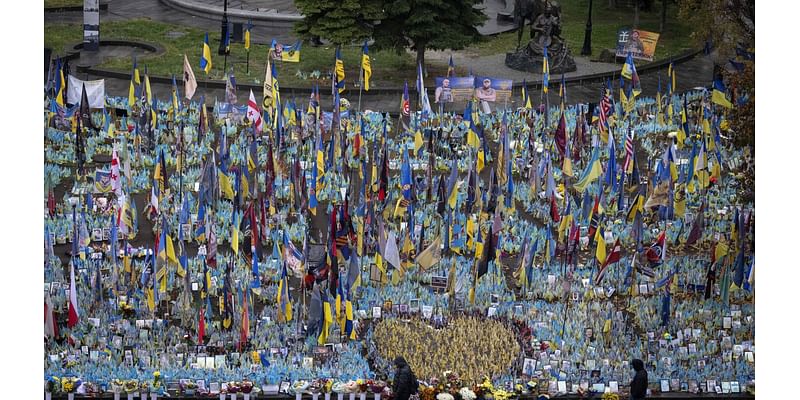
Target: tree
(428, 24)
(726, 23)
(731, 26)
(339, 21)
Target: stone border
(204, 11)
(153, 48)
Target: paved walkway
(494, 65)
(690, 74)
(263, 32)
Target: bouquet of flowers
(427, 393)
(69, 384)
(117, 385)
(188, 387)
(246, 386)
(444, 396)
(363, 384)
(339, 387)
(300, 386)
(53, 384)
(377, 386)
(157, 384)
(610, 396)
(351, 387)
(467, 394)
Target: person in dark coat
(639, 382)
(405, 383)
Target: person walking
(639, 382)
(405, 382)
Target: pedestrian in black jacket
(405, 383)
(639, 382)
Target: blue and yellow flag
(591, 173)
(366, 66)
(60, 85)
(339, 71)
(284, 299)
(719, 94)
(286, 53)
(205, 56)
(451, 67)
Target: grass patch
(388, 68)
(605, 24)
(62, 3)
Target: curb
(204, 11)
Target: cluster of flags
(401, 249)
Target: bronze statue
(545, 32)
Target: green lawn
(605, 24)
(62, 3)
(388, 68)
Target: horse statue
(526, 12)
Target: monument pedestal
(527, 60)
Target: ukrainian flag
(628, 68)
(339, 71)
(367, 66)
(718, 95)
(591, 173)
(205, 57)
(327, 319)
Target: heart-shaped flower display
(471, 347)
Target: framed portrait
(529, 366)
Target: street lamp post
(224, 33)
(587, 39)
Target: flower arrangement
(188, 387)
(69, 384)
(117, 385)
(157, 383)
(351, 387)
(467, 394)
(444, 396)
(362, 385)
(427, 393)
(610, 396)
(300, 386)
(246, 386)
(377, 386)
(53, 384)
(339, 387)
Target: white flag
(95, 91)
(189, 82)
(392, 255)
(253, 114)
